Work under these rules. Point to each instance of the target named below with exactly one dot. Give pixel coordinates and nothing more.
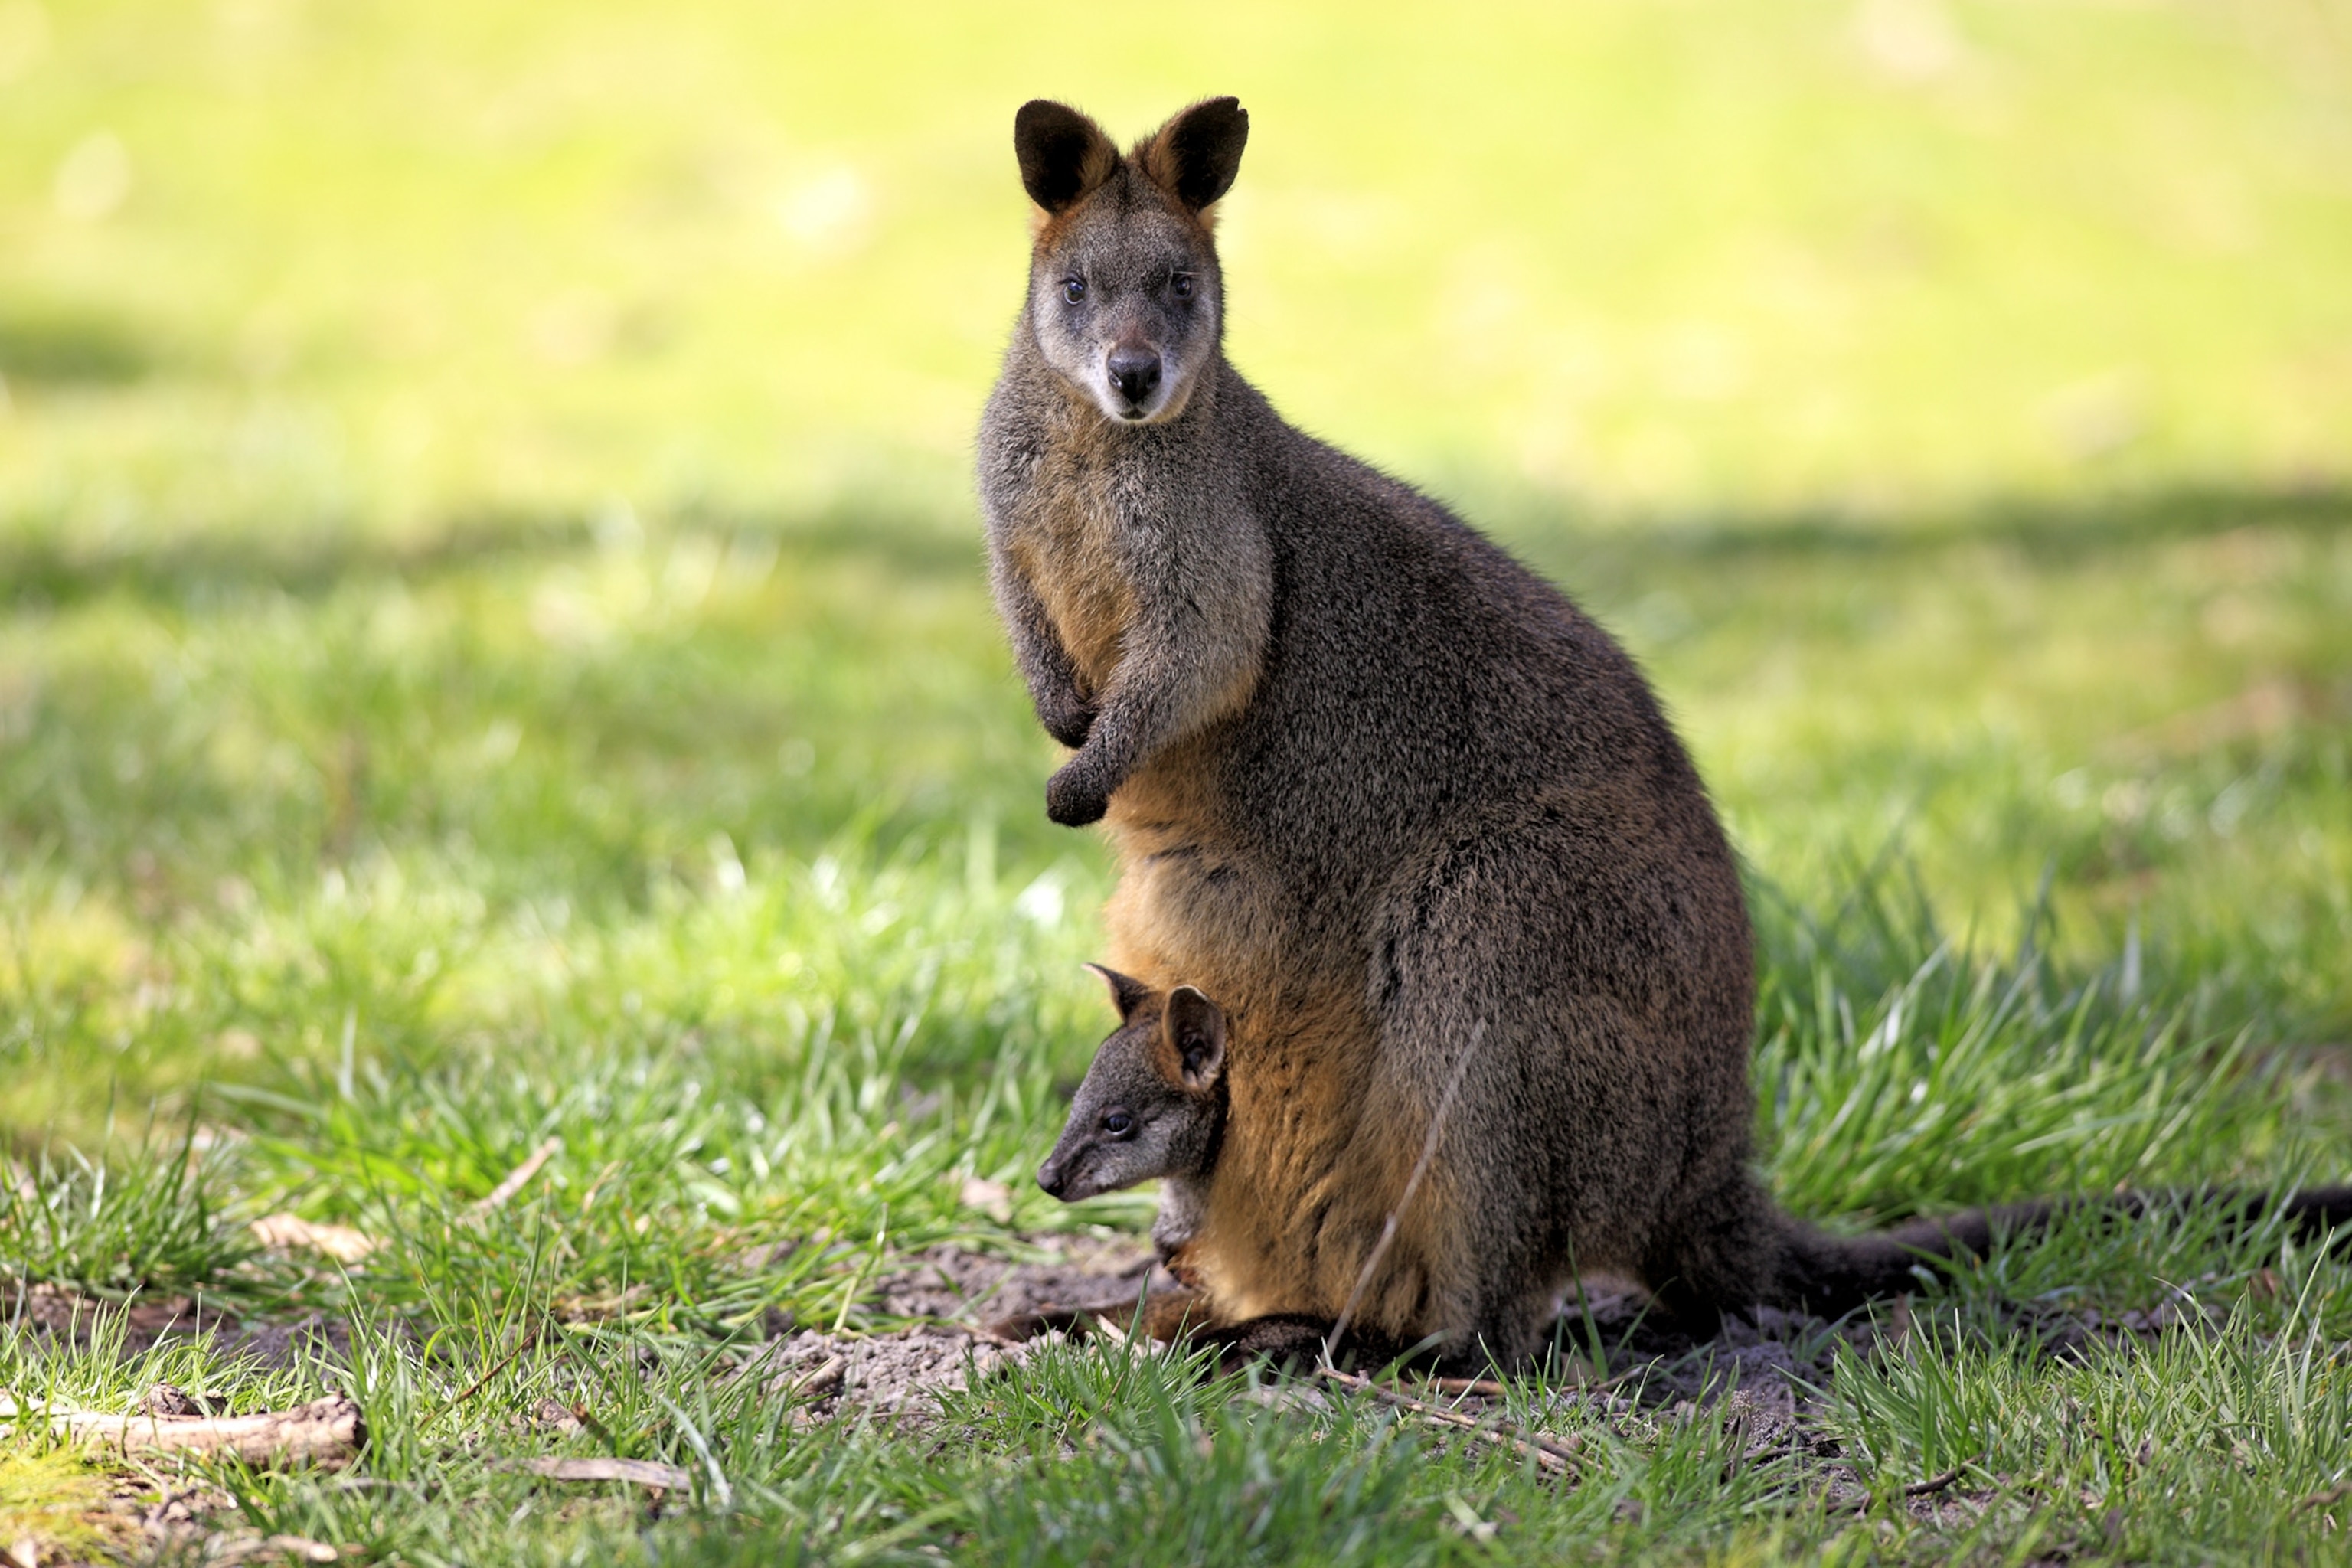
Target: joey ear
(1193, 1032)
(1195, 155)
(1063, 154)
(1127, 993)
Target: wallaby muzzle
(1135, 371)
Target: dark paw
(1021, 1326)
(1069, 721)
(1285, 1340)
(1074, 800)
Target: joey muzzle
(1062, 1174)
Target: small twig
(1484, 1387)
(246, 1548)
(516, 1179)
(484, 1380)
(1413, 1184)
(643, 1473)
(2335, 1493)
(1935, 1484)
(325, 1431)
(1554, 1454)
(818, 1380)
(1928, 1488)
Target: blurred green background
(516, 456)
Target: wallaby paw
(1069, 720)
(1020, 1327)
(1289, 1341)
(1074, 800)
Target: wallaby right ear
(1064, 155)
(1192, 1039)
(1195, 155)
(1127, 993)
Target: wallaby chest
(1064, 540)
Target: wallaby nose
(1136, 372)
(1051, 1177)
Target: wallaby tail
(1834, 1274)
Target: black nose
(1136, 372)
(1050, 1176)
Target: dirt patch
(897, 1373)
(1074, 1273)
(953, 1292)
(143, 1324)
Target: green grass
(493, 647)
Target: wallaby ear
(1127, 993)
(1195, 157)
(1193, 1031)
(1063, 154)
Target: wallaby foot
(1289, 1341)
(1167, 1317)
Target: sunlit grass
(493, 649)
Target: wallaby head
(1125, 297)
(1153, 1102)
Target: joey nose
(1051, 1177)
(1136, 373)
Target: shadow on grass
(44, 569)
(2046, 529)
(42, 566)
(71, 349)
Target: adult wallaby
(1414, 821)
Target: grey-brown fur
(1385, 794)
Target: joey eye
(1118, 1124)
(1073, 289)
(1180, 285)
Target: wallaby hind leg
(1167, 1316)
(1719, 1255)
(1574, 1003)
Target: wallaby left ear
(1192, 1039)
(1195, 157)
(1127, 993)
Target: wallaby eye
(1118, 1124)
(1180, 285)
(1073, 289)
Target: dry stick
(483, 1382)
(325, 1431)
(1550, 1453)
(643, 1472)
(1928, 1488)
(1934, 1484)
(515, 1178)
(819, 1380)
(245, 1549)
(1486, 1387)
(1413, 1184)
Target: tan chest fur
(1064, 548)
